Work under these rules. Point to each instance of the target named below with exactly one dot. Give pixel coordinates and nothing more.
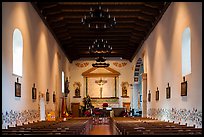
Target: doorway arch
(137, 93)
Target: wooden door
(75, 109)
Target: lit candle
(104, 25)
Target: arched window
(17, 52)
(186, 52)
(62, 81)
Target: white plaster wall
(41, 64)
(125, 76)
(162, 57)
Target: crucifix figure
(101, 83)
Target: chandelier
(98, 19)
(100, 46)
(100, 63)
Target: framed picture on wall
(157, 94)
(54, 97)
(149, 96)
(184, 88)
(34, 92)
(47, 96)
(135, 79)
(17, 89)
(168, 92)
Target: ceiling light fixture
(100, 63)
(98, 19)
(100, 46)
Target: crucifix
(101, 83)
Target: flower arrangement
(87, 113)
(87, 102)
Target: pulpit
(75, 109)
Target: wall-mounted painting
(54, 97)
(34, 92)
(136, 79)
(17, 89)
(168, 92)
(149, 96)
(157, 94)
(47, 96)
(184, 87)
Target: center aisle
(101, 130)
(101, 126)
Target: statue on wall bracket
(66, 87)
(124, 86)
(77, 86)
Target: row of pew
(72, 126)
(148, 126)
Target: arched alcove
(137, 88)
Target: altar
(113, 102)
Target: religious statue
(66, 87)
(77, 86)
(124, 86)
(101, 83)
(77, 92)
(124, 91)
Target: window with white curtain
(17, 53)
(62, 81)
(186, 52)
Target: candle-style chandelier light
(100, 63)
(100, 46)
(98, 19)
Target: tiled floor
(102, 129)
